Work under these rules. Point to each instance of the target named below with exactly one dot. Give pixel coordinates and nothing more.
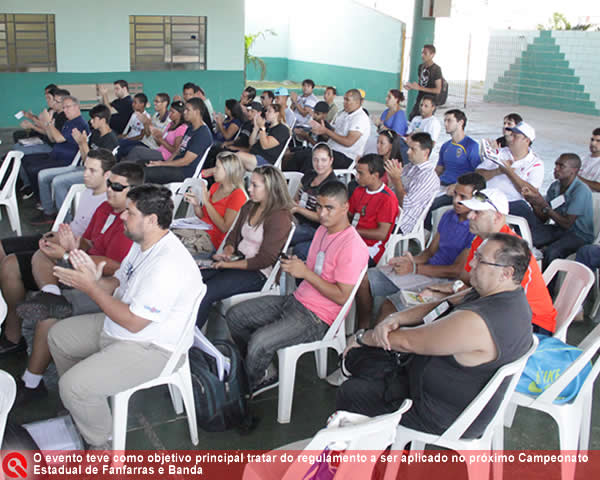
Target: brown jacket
(275, 232)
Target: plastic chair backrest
(277, 163)
(575, 287)
(273, 275)
(293, 180)
(71, 200)
(596, 206)
(468, 416)
(3, 311)
(337, 323)
(523, 227)
(590, 345)
(76, 159)
(194, 183)
(198, 170)
(9, 176)
(186, 338)
(8, 391)
(436, 216)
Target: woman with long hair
(254, 244)
(227, 127)
(305, 210)
(393, 117)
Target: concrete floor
(154, 425)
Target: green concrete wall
(375, 83)
(423, 34)
(542, 77)
(26, 89)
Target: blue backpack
(551, 358)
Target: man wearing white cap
(489, 208)
(517, 167)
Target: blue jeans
(263, 325)
(46, 180)
(557, 242)
(589, 255)
(62, 184)
(226, 283)
(302, 239)
(34, 164)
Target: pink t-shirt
(170, 136)
(345, 256)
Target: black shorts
(23, 248)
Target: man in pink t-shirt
(336, 258)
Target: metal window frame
(16, 49)
(168, 42)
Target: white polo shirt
(160, 285)
(590, 168)
(530, 169)
(430, 125)
(345, 122)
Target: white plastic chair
(195, 184)
(8, 195)
(418, 234)
(270, 286)
(293, 180)
(523, 227)
(575, 286)
(8, 392)
(436, 216)
(345, 175)
(3, 311)
(277, 163)
(175, 373)
(493, 436)
(175, 186)
(71, 201)
(573, 418)
(348, 432)
(335, 338)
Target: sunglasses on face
(482, 197)
(116, 187)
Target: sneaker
(265, 385)
(42, 219)
(336, 378)
(26, 395)
(26, 193)
(45, 305)
(7, 347)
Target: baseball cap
(524, 129)
(281, 92)
(488, 199)
(255, 106)
(321, 107)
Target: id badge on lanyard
(303, 200)
(355, 219)
(319, 263)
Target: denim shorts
(260, 161)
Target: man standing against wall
(430, 78)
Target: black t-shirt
(243, 139)
(59, 120)
(108, 141)
(118, 121)
(428, 75)
(311, 194)
(195, 141)
(281, 133)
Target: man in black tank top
(454, 355)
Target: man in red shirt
(105, 241)
(373, 206)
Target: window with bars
(167, 42)
(27, 43)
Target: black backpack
(443, 95)
(220, 405)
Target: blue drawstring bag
(550, 360)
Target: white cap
(488, 199)
(525, 129)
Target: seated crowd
(107, 293)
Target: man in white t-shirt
(282, 95)
(426, 121)
(590, 167)
(155, 292)
(518, 166)
(303, 106)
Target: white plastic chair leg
(586, 422)
(478, 470)
(120, 407)
(287, 377)
(568, 432)
(321, 361)
(187, 392)
(509, 415)
(13, 215)
(498, 447)
(176, 398)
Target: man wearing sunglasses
(104, 241)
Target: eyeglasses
(482, 197)
(116, 187)
(477, 257)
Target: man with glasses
(65, 147)
(104, 240)
(457, 345)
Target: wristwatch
(359, 337)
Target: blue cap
(281, 92)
